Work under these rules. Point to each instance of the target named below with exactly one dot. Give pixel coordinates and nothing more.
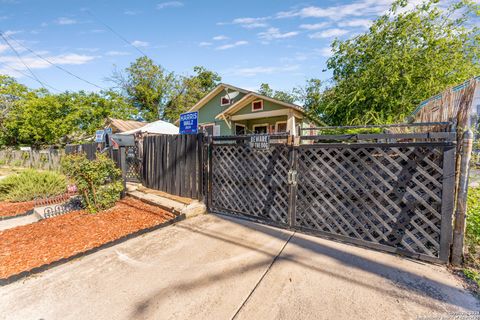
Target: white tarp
(158, 126)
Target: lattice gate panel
(251, 183)
(133, 163)
(385, 195)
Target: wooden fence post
(462, 192)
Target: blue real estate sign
(189, 122)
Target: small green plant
(17, 163)
(26, 185)
(472, 275)
(473, 216)
(98, 181)
(3, 162)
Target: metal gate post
(292, 180)
(209, 173)
(462, 192)
(123, 166)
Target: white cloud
(204, 44)
(315, 26)
(34, 62)
(232, 45)
(138, 43)
(131, 12)
(248, 22)
(169, 4)
(274, 33)
(220, 38)
(363, 23)
(3, 17)
(116, 53)
(65, 21)
(325, 52)
(251, 23)
(329, 33)
(254, 71)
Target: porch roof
(249, 98)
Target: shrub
(26, 185)
(98, 181)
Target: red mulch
(11, 209)
(26, 247)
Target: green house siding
(212, 108)
(267, 106)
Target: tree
(147, 86)
(189, 91)
(404, 58)
(40, 118)
(284, 96)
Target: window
(281, 126)
(260, 128)
(207, 128)
(257, 105)
(239, 129)
(224, 101)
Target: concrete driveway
(212, 267)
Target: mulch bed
(11, 209)
(35, 245)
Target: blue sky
(249, 42)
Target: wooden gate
(396, 197)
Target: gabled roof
(250, 97)
(213, 93)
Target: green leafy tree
(404, 58)
(39, 118)
(147, 86)
(289, 97)
(189, 91)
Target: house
(229, 110)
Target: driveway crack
(263, 276)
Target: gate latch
(292, 177)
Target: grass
(27, 184)
(472, 239)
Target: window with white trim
(257, 105)
(224, 101)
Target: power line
(53, 64)
(20, 58)
(116, 33)
(29, 76)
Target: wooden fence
(39, 159)
(173, 164)
(88, 148)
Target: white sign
(261, 141)
(99, 135)
(26, 148)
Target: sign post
(189, 123)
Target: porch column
(291, 127)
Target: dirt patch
(11, 209)
(26, 247)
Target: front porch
(279, 121)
